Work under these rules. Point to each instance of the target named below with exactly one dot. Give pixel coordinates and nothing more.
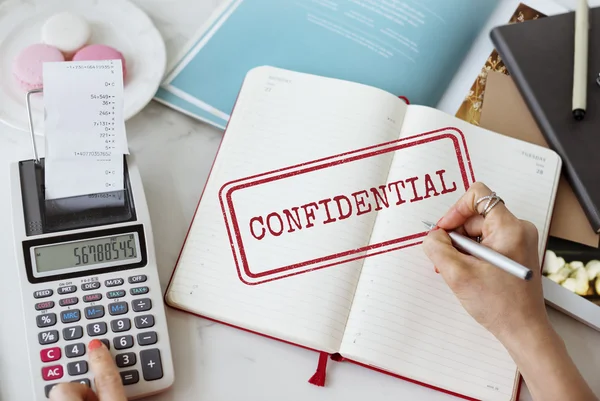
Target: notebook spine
(589, 205)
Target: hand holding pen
(488, 291)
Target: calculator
(87, 270)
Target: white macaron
(67, 32)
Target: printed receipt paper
(84, 128)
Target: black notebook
(539, 56)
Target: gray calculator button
(127, 359)
(114, 282)
(123, 342)
(96, 329)
(137, 279)
(48, 337)
(43, 293)
(144, 321)
(151, 364)
(118, 308)
(106, 343)
(48, 388)
(120, 325)
(139, 290)
(68, 301)
(92, 297)
(72, 333)
(94, 312)
(147, 338)
(47, 320)
(67, 289)
(115, 294)
(75, 350)
(140, 305)
(94, 285)
(77, 368)
(130, 377)
(70, 316)
(83, 381)
(44, 305)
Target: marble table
(214, 362)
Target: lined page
(404, 318)
(282, 119)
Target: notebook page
(283, 119)
(404, 318)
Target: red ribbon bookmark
(318, 379)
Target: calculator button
(43, 293)
(106, 343)
(92, 298)
(44, 305)
(48, 388)
(118, 308)
(72, 333)
(137, 279)
(70, 316)
(151, 364)
(124, 360)
(67, 289)
(141, 322)
(85, 382)
(147, 338)
(75, 350)
(48, 337)
(130, 377)
(47, 320)
(114, 282)
(90, 286)
(115, 294)
(139, 290)
(94, 312)
(120, 325)
(50, 354)
(141, 305)
(123, 342)
(96, 329)
(68, 301)
(52, 372)
(77, 368)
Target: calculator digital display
(109, 250)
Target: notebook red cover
(320, 375)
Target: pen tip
(428, 224)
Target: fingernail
(94, 344)
(436, 270)
(435, 228)
(439, 221)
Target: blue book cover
(410, 48)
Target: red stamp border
(234, 233)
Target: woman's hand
(106, 377)
(512, 309)
(502, 303)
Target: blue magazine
(410, 48)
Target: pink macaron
(28, 65)
(100, 52)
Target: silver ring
(478, 238)
(492, 200)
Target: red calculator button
(52, 372)
(50, 354)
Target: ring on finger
(492, 200)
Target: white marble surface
(213, 362)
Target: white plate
(116, 23)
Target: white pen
(486, 254)
(580, 61)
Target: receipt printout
(84, 128)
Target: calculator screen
(96, 251)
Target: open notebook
(309, 226)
